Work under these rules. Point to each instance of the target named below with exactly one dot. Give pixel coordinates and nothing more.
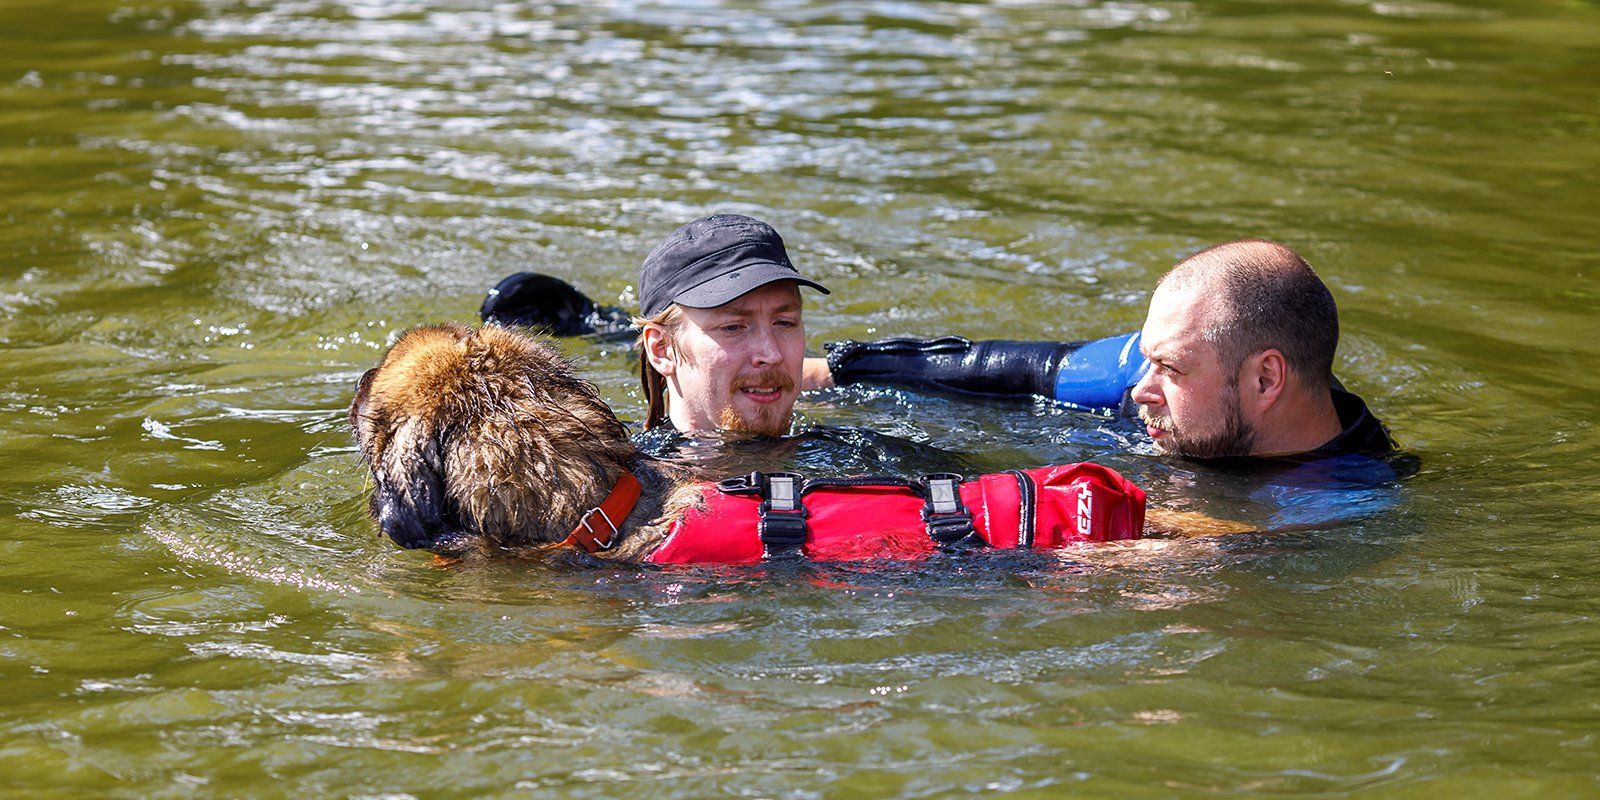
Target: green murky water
(216, 213)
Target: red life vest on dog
(746, 519)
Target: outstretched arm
(952, 364)
(816, 375)
(1095, 374)
(1091, 375)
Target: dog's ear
(358, 410)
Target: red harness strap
(611, 511)
(858, 518)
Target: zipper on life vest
(756, 482)
(856, 480)
(1027, 502)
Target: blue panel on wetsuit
(1100, 372)
(1330, 490)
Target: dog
(486, 440)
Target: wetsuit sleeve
(1084, 374)
(1099, 374)
(950, 364)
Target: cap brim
(747, 278)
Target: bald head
(1263, 296)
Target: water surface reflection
(219, 212)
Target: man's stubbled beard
(770, 420)
(1234, 438)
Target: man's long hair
(653, 382)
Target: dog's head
(482, 438)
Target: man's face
(1189, 400)
(737, 366)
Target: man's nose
(1144, 392)
(764, 348)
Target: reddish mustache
(1164, 423)
(770, 379)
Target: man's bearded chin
(771, 419)
(1234, 438)
(768, 420)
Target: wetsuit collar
(1361, 432)
(611, 511)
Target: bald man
(1235, 359)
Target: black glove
(553, 306)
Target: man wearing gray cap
(721, 338)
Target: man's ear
(658, 349)
(1264, 378)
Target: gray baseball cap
(713, 261)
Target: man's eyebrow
(1160, 353)
(742, 311)
(728, 312)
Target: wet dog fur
(486, 440)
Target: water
(217, 214)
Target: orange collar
(614, 509)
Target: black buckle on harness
(754, 483)
(782, 518)
(949, 523)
